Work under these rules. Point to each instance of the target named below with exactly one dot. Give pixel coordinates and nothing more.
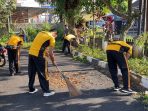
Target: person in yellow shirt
(117, 54)
(66, 43)
(42, 46)
(13, 48)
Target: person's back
(42, 46)
(14, 40)
(40, 43)
(117, 54)
(13, 49)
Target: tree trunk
(128, 25)
(61, 18)
(71, 25)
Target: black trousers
(116, 59)
(66, 44)
(37, 65)
(13, 60)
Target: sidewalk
(96, 87)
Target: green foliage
(141, 40)
(46, 26)
(60, 30)
(6, 6)
(120, 5)
(145, 99)
(4, 38)
(81, 59)
(31, 32)
(96, 53)
(58, 45)
(139, 65)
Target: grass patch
(81, 59)
(138, 65)
(96, 53)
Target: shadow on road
(91, 100)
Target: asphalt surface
(97, 91)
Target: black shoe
(11, 74)
(19, 72)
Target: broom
(73, 91)
(129, 75)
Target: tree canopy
(71, 9)
(6, 6)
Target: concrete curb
(140, 80)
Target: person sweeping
(13, 47)
(66, 43)
(42, 46)
(117, 54)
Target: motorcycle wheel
(2, 61)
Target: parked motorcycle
(2, 56)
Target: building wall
(20, 16)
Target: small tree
(6, 7)
(123, 8)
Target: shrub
(139, 65)
(4, 38)
(31, 32)
(96, 53)
(46, 26)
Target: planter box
(95, 61)
(103, 64)
(80, 54)
(76, 54)
(89, 59)
(144, 82)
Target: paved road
(97, 93)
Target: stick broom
(73, 91)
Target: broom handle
(60, 72)
(129, 73)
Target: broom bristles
(73, 91)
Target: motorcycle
(2, 56)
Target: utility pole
(141, 3)
(94, 1)
(147, 19)
(145, 14)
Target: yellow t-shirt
(43, 40)
(14, 40)
(116, 46)
(69, 37)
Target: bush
(31, 32)
(96, 53)
(46, 26)
(139, 65)
(4, 38)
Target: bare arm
(127, 55)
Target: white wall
(27, 3)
